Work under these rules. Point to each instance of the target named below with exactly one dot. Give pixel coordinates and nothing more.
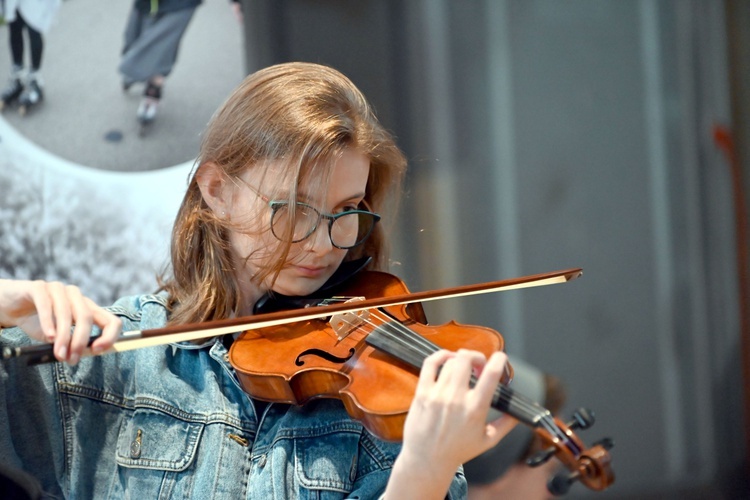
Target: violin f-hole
(323, 354)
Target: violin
(367, 351)
(370, 360)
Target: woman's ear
(212, 183)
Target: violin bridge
(345, 323)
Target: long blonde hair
(304, 115)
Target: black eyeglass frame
(275, 205)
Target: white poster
(85, 197)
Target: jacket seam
(142, 403)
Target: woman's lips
(310, 271)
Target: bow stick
(137, 339)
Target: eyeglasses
(346, 229)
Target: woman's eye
(347, 208)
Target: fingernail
(74, 359)
(62, 352)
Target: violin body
(298, 362)
(370, 359)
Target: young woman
(291, 173)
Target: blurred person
(152, 39)
(35, 17)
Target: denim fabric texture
(173, 422)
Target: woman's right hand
(58, 314)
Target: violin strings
(411, 342)
(419, 345)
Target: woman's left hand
(447, 421)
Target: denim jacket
(173, 422)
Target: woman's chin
(300, 286)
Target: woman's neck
(250, 294)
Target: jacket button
(262, 461)
(135, 446)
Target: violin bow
(137, 339)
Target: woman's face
(313, 260)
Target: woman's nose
(320, 240)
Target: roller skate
(31, 96)
(12, 92)
(148, 107)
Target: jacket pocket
(326, 467)
(151, 439)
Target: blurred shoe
(149, 104)
(13, 90)
(31, 95)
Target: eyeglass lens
(347, 229)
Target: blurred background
(607, 135)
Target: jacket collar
(271, 302)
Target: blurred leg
(15, 30)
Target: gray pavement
(84, 101)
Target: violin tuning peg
(560, 483)
(606, 443)
(540, 457)
(583, 418)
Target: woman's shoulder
(147, 311)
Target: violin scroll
(590, 466)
